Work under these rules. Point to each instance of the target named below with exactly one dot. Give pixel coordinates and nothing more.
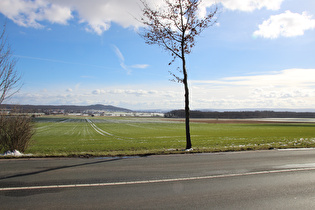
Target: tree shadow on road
(60, 167)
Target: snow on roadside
(14, 153)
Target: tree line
(240, 114)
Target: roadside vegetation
(120, 136)
(16, 132)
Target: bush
(16, 132)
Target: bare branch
(177, 78)
(176, 26)
(9, 78)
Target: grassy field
(111, 136)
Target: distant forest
(239, 114)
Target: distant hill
(63, 108)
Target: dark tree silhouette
(9, 79)
(174, 28)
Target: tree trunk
(187, 112)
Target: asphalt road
(276, 179)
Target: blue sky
(259, 55)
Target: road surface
(275, 179)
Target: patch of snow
(14, 153)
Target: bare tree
(9, 78)
(174, 29)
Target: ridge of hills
(66, 108)
(203, 113)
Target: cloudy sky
(259, 55)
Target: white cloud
(241, 5)
(124, 92)
(119, 54)
(251, 5)
(290, 88)
(98, 15)
(132, 97)
(287, 24)
(96, 92)
(139, 66)
(30, 13)
(122, 61)
(57, 14)
(288, 77)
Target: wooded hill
(239, 114)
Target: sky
(259, 55)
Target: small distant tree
(9, 78)
(174, 28)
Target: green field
(109, 136)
